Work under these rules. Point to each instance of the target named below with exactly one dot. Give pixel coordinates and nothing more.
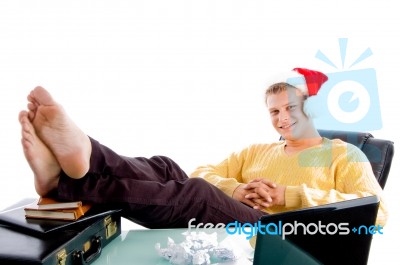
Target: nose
(283, 116)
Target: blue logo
(349, 100)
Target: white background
(183, 78)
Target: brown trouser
(155, 192)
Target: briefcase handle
(90, 255)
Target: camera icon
(348, 101)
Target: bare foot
(71, 147)
(44, 165)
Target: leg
(195, 198)
(153, 192)
(105, 161)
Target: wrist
(236, 191)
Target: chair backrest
(378, 151)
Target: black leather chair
(379, 152)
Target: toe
(22, 115)
(32, 107)
(42, 96)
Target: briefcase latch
(62, 257)
(111, 227)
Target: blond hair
(278, 88)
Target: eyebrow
(288, 104)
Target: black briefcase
(76, 243)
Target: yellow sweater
(331, 172)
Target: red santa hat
(307, 81)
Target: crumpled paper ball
(198, 248)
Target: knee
(164, 160)
(199, 186)
(169, 167)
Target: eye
(273, 112)
(292, 107)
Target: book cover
(59, 214)
(47, 203)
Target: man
(156, 193)
(306, 169)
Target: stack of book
(49, 208)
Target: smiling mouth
(287, 126)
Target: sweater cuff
(230, 187)
(293, 196)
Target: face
(287, 116)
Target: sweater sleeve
(227, 175)
(354, 178)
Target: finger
(257, 204)
(259, 207)
(253, 185)
(264, 184)
(252, 196)
(261, 204)
(257, 199)
(265, 181)
(268, 183)
(256, 180)
(249, 203)
(249, 186)
(264, 194)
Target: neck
(296, 145)
(303, 143)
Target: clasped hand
(260, 194)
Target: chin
(289, 135)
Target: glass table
(138, 246)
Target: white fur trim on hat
(292, 78)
